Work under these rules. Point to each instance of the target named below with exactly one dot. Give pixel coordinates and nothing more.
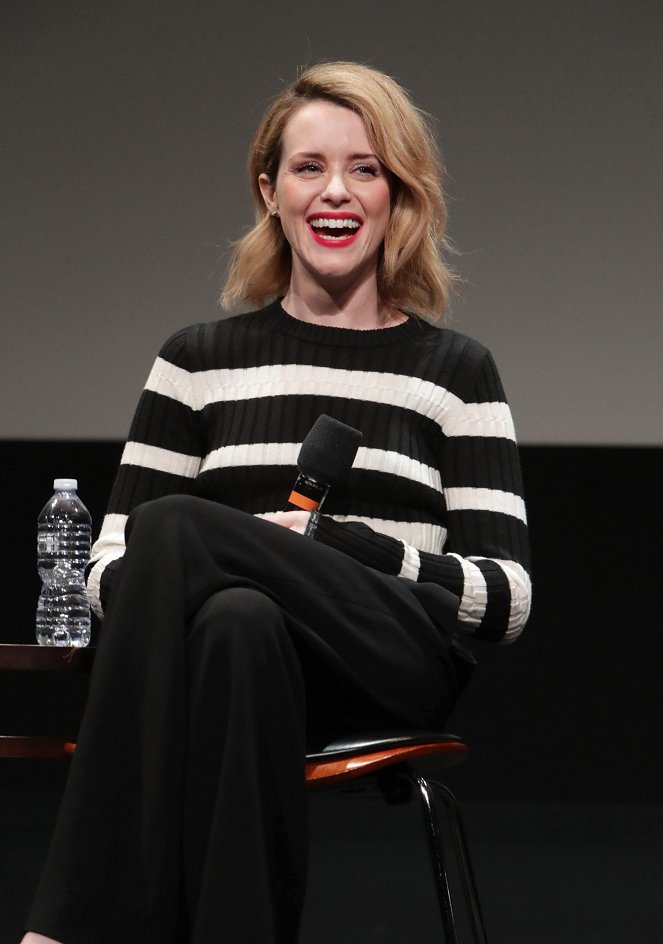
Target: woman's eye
(367, 170)
(308, 168)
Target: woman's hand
(293, 520)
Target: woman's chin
(340, 274)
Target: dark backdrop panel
(571, 712)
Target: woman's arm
(162, 456)
(485, 558)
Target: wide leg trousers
(230, 645)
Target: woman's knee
(174, 514)
(161, 511)
(239, 618)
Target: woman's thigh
(368, 647)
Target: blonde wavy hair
(412, 275)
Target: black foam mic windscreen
(329, 450)
(324, 459)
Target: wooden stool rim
(323, 773)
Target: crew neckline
(347, 337)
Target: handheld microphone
(325, 458)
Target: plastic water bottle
(63, 551)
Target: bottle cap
(65, 485)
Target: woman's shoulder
(207, 345)
(454, 362)
(451, 348)
(442, 336)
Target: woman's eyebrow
(317, 155)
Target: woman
(235, 633)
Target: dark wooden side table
(49, 660)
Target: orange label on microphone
(308, 504)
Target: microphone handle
(306, 494)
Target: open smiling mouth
(330, 231)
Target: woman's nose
(336, 190)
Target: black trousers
(230, 645)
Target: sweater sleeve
(485, 558)
(162, 456)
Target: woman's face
(332, 195)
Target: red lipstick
(325, 226)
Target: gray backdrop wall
(128, 124)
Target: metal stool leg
(464, 862)
(437, 857)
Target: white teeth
(335, 224)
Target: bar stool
(402, 754)
(408, 755)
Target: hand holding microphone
(324, 459)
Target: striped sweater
(435, 493)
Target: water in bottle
(63, 550)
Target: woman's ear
(268, 191)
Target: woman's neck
(359, 307)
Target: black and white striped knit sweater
(435, 493)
